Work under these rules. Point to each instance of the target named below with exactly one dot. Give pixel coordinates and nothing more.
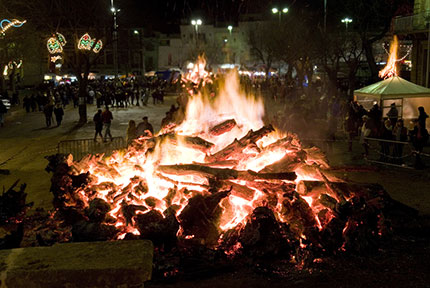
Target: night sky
(165, 15)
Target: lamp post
(346, 20)
(196, 23)
(325, 16)
(115, 38)
(230, 28)
(280, 12)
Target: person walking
(145, 128)
(107, 118)
(3, 111)
(59, 113)
(98, 121)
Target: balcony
(411, 23)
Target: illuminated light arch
(54, 46)
(85, 42)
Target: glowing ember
(390, 69)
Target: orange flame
(390, 69)
(133, 176)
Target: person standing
(59, 113)
(47, 110)
(422, 117)
(3, 111)
(98, 121)
(393, 114)
(145, 128)
(365, 132)
(107, 118)
(131, 132)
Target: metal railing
(395, 153)
(82, 147)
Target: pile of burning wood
(221, 179)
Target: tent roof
(394, 87)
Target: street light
(346, 20)
(196, 23)
(229, 28)
(279, 12)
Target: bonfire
(221, 178)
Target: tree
(73, 19)
(372, 20)
(262, 40)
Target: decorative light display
(61, 39)
(56, 58)
(54, 46)
(85, 42)
(88, 43)
(55, 43)
(98, 46)
(5, 24)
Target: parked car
(6, 103)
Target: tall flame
(390, 69)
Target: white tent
(406, 95)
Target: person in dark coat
(3, 111)
(393, 114)
(422, 117)
(59, 113)
(26, 104)
(48, 110)
(98, 121)
(33, 103)
(145, 128)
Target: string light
(14, 23)
(408, 52)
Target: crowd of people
(390, 128)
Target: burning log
(223, 127)
(199, 219)
(238, 146)
(262, 235)
(299, 215)
(223, 174)
(288, 163)
(239, 190)
(161, 230)
(191, 142)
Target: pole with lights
(115, 37)
(230, 28)
(280, 12)
(346, 21)
(196, 23)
